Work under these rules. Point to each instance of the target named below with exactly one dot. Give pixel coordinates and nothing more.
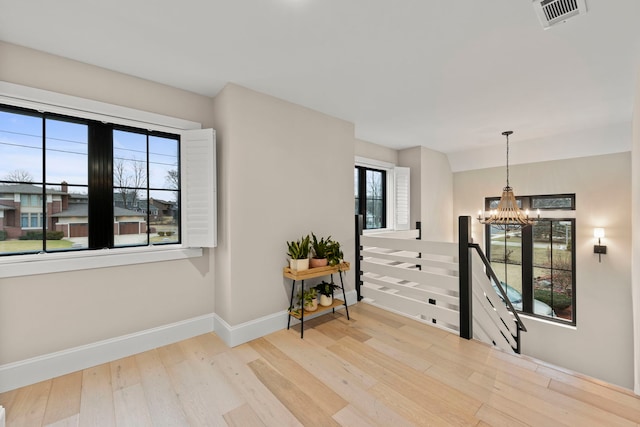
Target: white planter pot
(326, 301)
(313, 306)
(299, 264)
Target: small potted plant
(299, 253)
(319, 251)
(309, 299)
(326, 293)
(334, 253)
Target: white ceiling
(450, 75)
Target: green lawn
(19, 246)
(32, 245)
(541, 261)
(159, 239)
(541, 256)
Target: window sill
(377, 230)
(43, 263)
(547, 321)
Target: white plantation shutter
(402, 195)
(198, 183)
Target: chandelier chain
(507, 160)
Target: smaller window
(547, 202)
(553, 202)
(31, 220)
(30, 200)
(371, 196)
(493, 203)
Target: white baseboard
(244, 332)
(31, 371)
(247, 331)
(41, 368)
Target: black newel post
(358, 271)
(419, 228)
(464, 259)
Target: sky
(21, 148)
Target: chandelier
(508, 216)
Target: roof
(26, 189)
(6, 208)
(164, 202)
(82, 209)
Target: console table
(301, 276)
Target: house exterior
(22, 206)
(22, 210)
(162, 208)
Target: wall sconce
(599, 249)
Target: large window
(85, 184)
(370, 190)
(536, 264)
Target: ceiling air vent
(551, 12)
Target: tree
(173, 180)
(375, 201)
(129, 178)
(18, 175)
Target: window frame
(526, 202)
(362, 189)
(40, 100)
(100, 186)
(527, 242)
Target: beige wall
(635, 200)
(40, 70)
(285, 172)
(47, 313)
(373, 151)
(431, 192)
(601, 345)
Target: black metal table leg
(302, 310)
(293, 287)
(344, 295)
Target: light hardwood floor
(378, 369)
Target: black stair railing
(358, 271)
(466, 307)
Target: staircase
(447, 285)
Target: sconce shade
(599, 249)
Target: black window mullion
(44, 184)
(362, 194)
(573, 269)
(384, 200)
(100, 183)
(148, 186)
(527, 269)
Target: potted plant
(326, 292)
(309, 300)
(319, 251)
(299, 253)
(334, 253)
